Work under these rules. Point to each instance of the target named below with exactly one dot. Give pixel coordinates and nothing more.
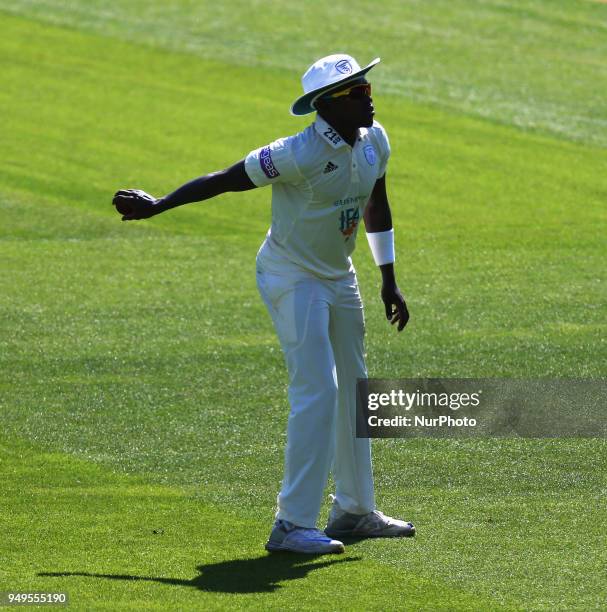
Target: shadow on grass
(259, 575)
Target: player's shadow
(259, 575)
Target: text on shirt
(266, 163)
(332, 135)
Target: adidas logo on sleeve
(329, 168)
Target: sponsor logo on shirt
(343, 66)
(349, 219)
(351, 200)
(266, 163)
(370, 154)
(330, 167)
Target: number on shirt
(332, 135)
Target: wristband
(382, 246)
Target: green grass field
(142, 389)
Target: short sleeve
(273, 163)
(384, 147)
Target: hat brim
(303, 104)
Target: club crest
(370, 155)
(343, 66)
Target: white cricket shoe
(372, 525)
(289, 537)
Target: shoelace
(311, 532)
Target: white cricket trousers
(321, 328)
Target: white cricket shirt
(320, 188)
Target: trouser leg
(300, 312)
(352, 468)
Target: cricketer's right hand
(135, 204)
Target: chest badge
(370, 155)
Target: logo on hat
(344, 67)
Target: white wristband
(382, 246)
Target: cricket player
(324, 180)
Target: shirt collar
(330, 136)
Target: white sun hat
(326, 74)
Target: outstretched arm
(135, 204)
(379, 219)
